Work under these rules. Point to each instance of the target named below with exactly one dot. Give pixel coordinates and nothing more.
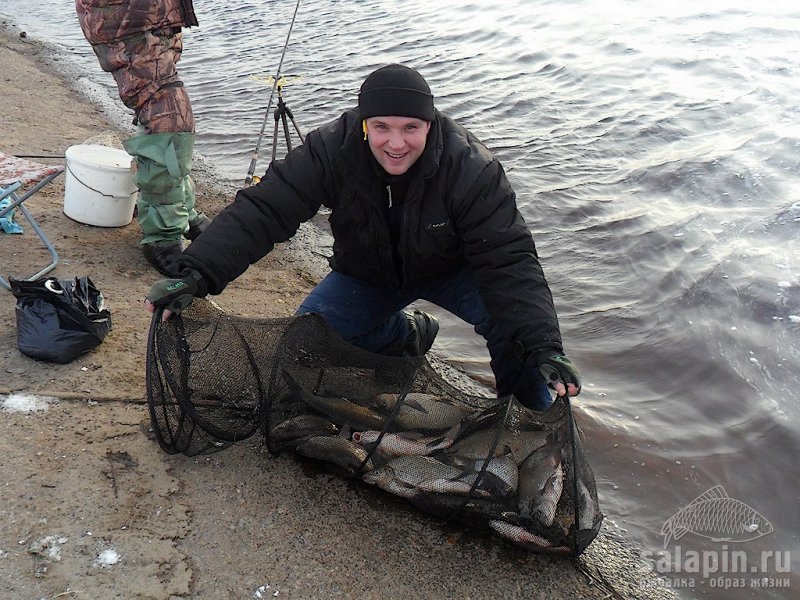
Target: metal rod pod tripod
(281, 113)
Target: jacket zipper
(379, 244)
(391, 250)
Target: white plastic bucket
(99, 188)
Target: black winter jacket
(459, 210)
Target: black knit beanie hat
(395, 91)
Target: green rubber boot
(166, 192)
(198, 221)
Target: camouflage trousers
(144, 67)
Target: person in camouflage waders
(139, 42)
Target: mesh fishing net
(395, 423)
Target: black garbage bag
(59, 319)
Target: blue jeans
(372, 318)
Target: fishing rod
(39, 155)
(252, 169)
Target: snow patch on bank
(26, 403)
(107, 558)
(49, 547)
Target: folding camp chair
(15, 174)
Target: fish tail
(465, 473)
(434, 443)
(667, 531)
(294, 387)
(411, 402)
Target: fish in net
(393, 422)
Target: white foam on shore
(26, 403)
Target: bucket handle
(71, 172)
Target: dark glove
(554, 366)
(176, 294)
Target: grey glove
(554, 367)
(176, 294)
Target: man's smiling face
(397, 142)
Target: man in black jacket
(420, 209)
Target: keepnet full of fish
(393, 423)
